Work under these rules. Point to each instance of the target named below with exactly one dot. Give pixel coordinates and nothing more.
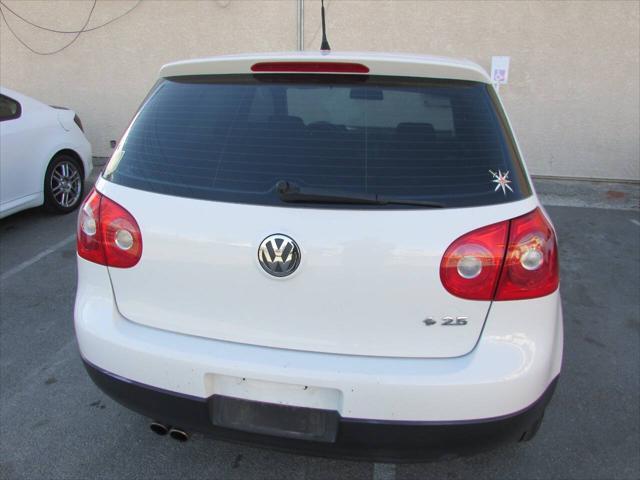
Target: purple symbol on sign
(499, 75)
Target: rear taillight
(77, 121)
(107, 233)
(483, 265)
(471, 266)
(531, 264)
(88, 237)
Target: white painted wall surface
(573, 91)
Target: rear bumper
(517, 357)
(387, 408)
(356, 438)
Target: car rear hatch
(198, 170)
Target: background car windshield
(232, 138)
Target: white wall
(573, 93)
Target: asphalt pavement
(55, 424)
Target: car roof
(393, 64)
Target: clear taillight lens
(107, 233)
(484, 265)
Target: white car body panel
(404, 65)
(518, 355)
(359, 291)
(27, 145)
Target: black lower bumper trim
(354, 439)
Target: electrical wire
(2, 4)
(37, 52)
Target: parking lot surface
(55, 424)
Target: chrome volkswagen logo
(279, 255)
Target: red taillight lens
(88, 235)
(471, 265)
(482, 265)
(309, 67)
(531, 264)
(107, 233)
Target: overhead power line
(77, 33)
(37, 52)
(68, 31)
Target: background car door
(12, 151)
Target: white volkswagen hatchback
(339, 254)
(44, 155)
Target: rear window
(231, 138)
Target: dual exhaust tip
(175, 433)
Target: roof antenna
(325, 45)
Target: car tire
(63, 184)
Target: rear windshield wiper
(292, 193)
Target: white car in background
(44, 155)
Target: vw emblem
(279, 255)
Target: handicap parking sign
(500, 70)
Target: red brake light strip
(309, 67)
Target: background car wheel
(63, 184)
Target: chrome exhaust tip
(179, 435)
(159, 428)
